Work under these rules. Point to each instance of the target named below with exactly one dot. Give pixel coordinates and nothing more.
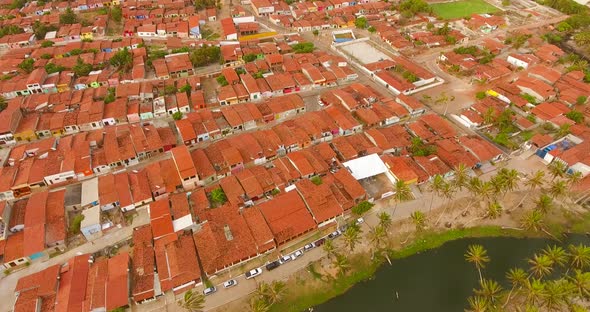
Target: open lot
(364, 52)
(460, 9)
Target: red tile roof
(287, 216)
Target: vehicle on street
(296, 254)
(273, 265)
(319, 242)
(285, 259)
(209, 291)
(253, 273)
(334, 234)
(308, 246)
(230, 283)
(360, 221)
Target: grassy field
(463, 8)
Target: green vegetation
(372, 29)
(218, 196)
(576, 116)
(249, 58)
(305, 47)
(75, 224)
(419, 148)
(116, 13)
(529, 98)
(480, 95)
(170, 89)
(110, 97)
(362, 207)
(461, 9)
(205, 55)
(3, 103)
(10, 30)
(123, 60)
(581, 100)
(361, 22)
(177, 116)
(267, 295)
(81, 68)
(68, 17)
(192, 301)
(221, 80)
(51, 68)
(27, 65)
(410, 8)
(40, 30)
(204, 4)
(317, 180)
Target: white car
(296, 254)
(209, 290)
(253, 273)
(360, 221)
(285, 259)
(230, 283)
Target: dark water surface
(438, 280)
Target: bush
(480, 95)
(576, 116)
(177, 116)
(529, 98)
(315, 32)
(305, 47)
(47, 44)
(362, 207)
(68, 17)
(116, 13)
(218, 196)
(221, 80)
(317, 180)
(75, 224)
(361, 22)
(249, 57)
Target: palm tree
(461, 176)
(378, 238)
(262, 292)
(352, 237)
(579, 256)
(258, 305)
(557, 169)
(533, 220)
(556, 294)
(510, 178)
(533, 182)
(490, 290)
(419, 220)
(489, 115)
(535, 289)
(563, 130)
(558, 189)
(541, 265)
(474, 186)
(497, 184)
(384, 221)
(192, 301)
(557, 254)
(494, 210)
(402, 193)
(544, 203)
(341, 264)
(517, 278)
(276, 291)
(436, 186)
(329, 248)
(477, 304)
(477, 255)
(447, 192)
(574, 177)
(581, 281)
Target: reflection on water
(437, 280)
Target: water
(438, 280)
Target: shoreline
(303, 297)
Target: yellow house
(26, 128)
(115, 2)
(88, 35)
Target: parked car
(296, 254)
(253, 273)
(285, 259)
(319, 242)
(230, 283)
(360, 221)
(209, 291)
(273, 265)
(334, 234)
(308, 246)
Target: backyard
(460, 9)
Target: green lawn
(463, 8)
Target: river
(440, 279)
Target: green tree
(541, 265)
(490, 290)
(558, 189)
(419, 220)
(258, 305)
(329, 248)
(576, 116)
(27, 65)
(477, 255)
(177, 116)
(218, 196)
(477, 304)
(573, 178)
(372, 29)
(532, 221)
(249, 58)
(557, 169)
(205, 55)
(316, 32)
(341, 264)
(47, 43)
(304, 47)
(352, 237)
(579, 256)
(68, 17)
(116, 13)
(361, 22)
(385, 221)
(122, 59)
(544, 203)
(378, 239)
(402, 193)
(494, 210)
(75, 224)
(437, 184)
(192, 301)
(362, 207)
(186, 89)
(51, 68)
(221, 80)
(557, 254)
(3, 103)
(563, 130)
(81, 68)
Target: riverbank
(312, 288)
